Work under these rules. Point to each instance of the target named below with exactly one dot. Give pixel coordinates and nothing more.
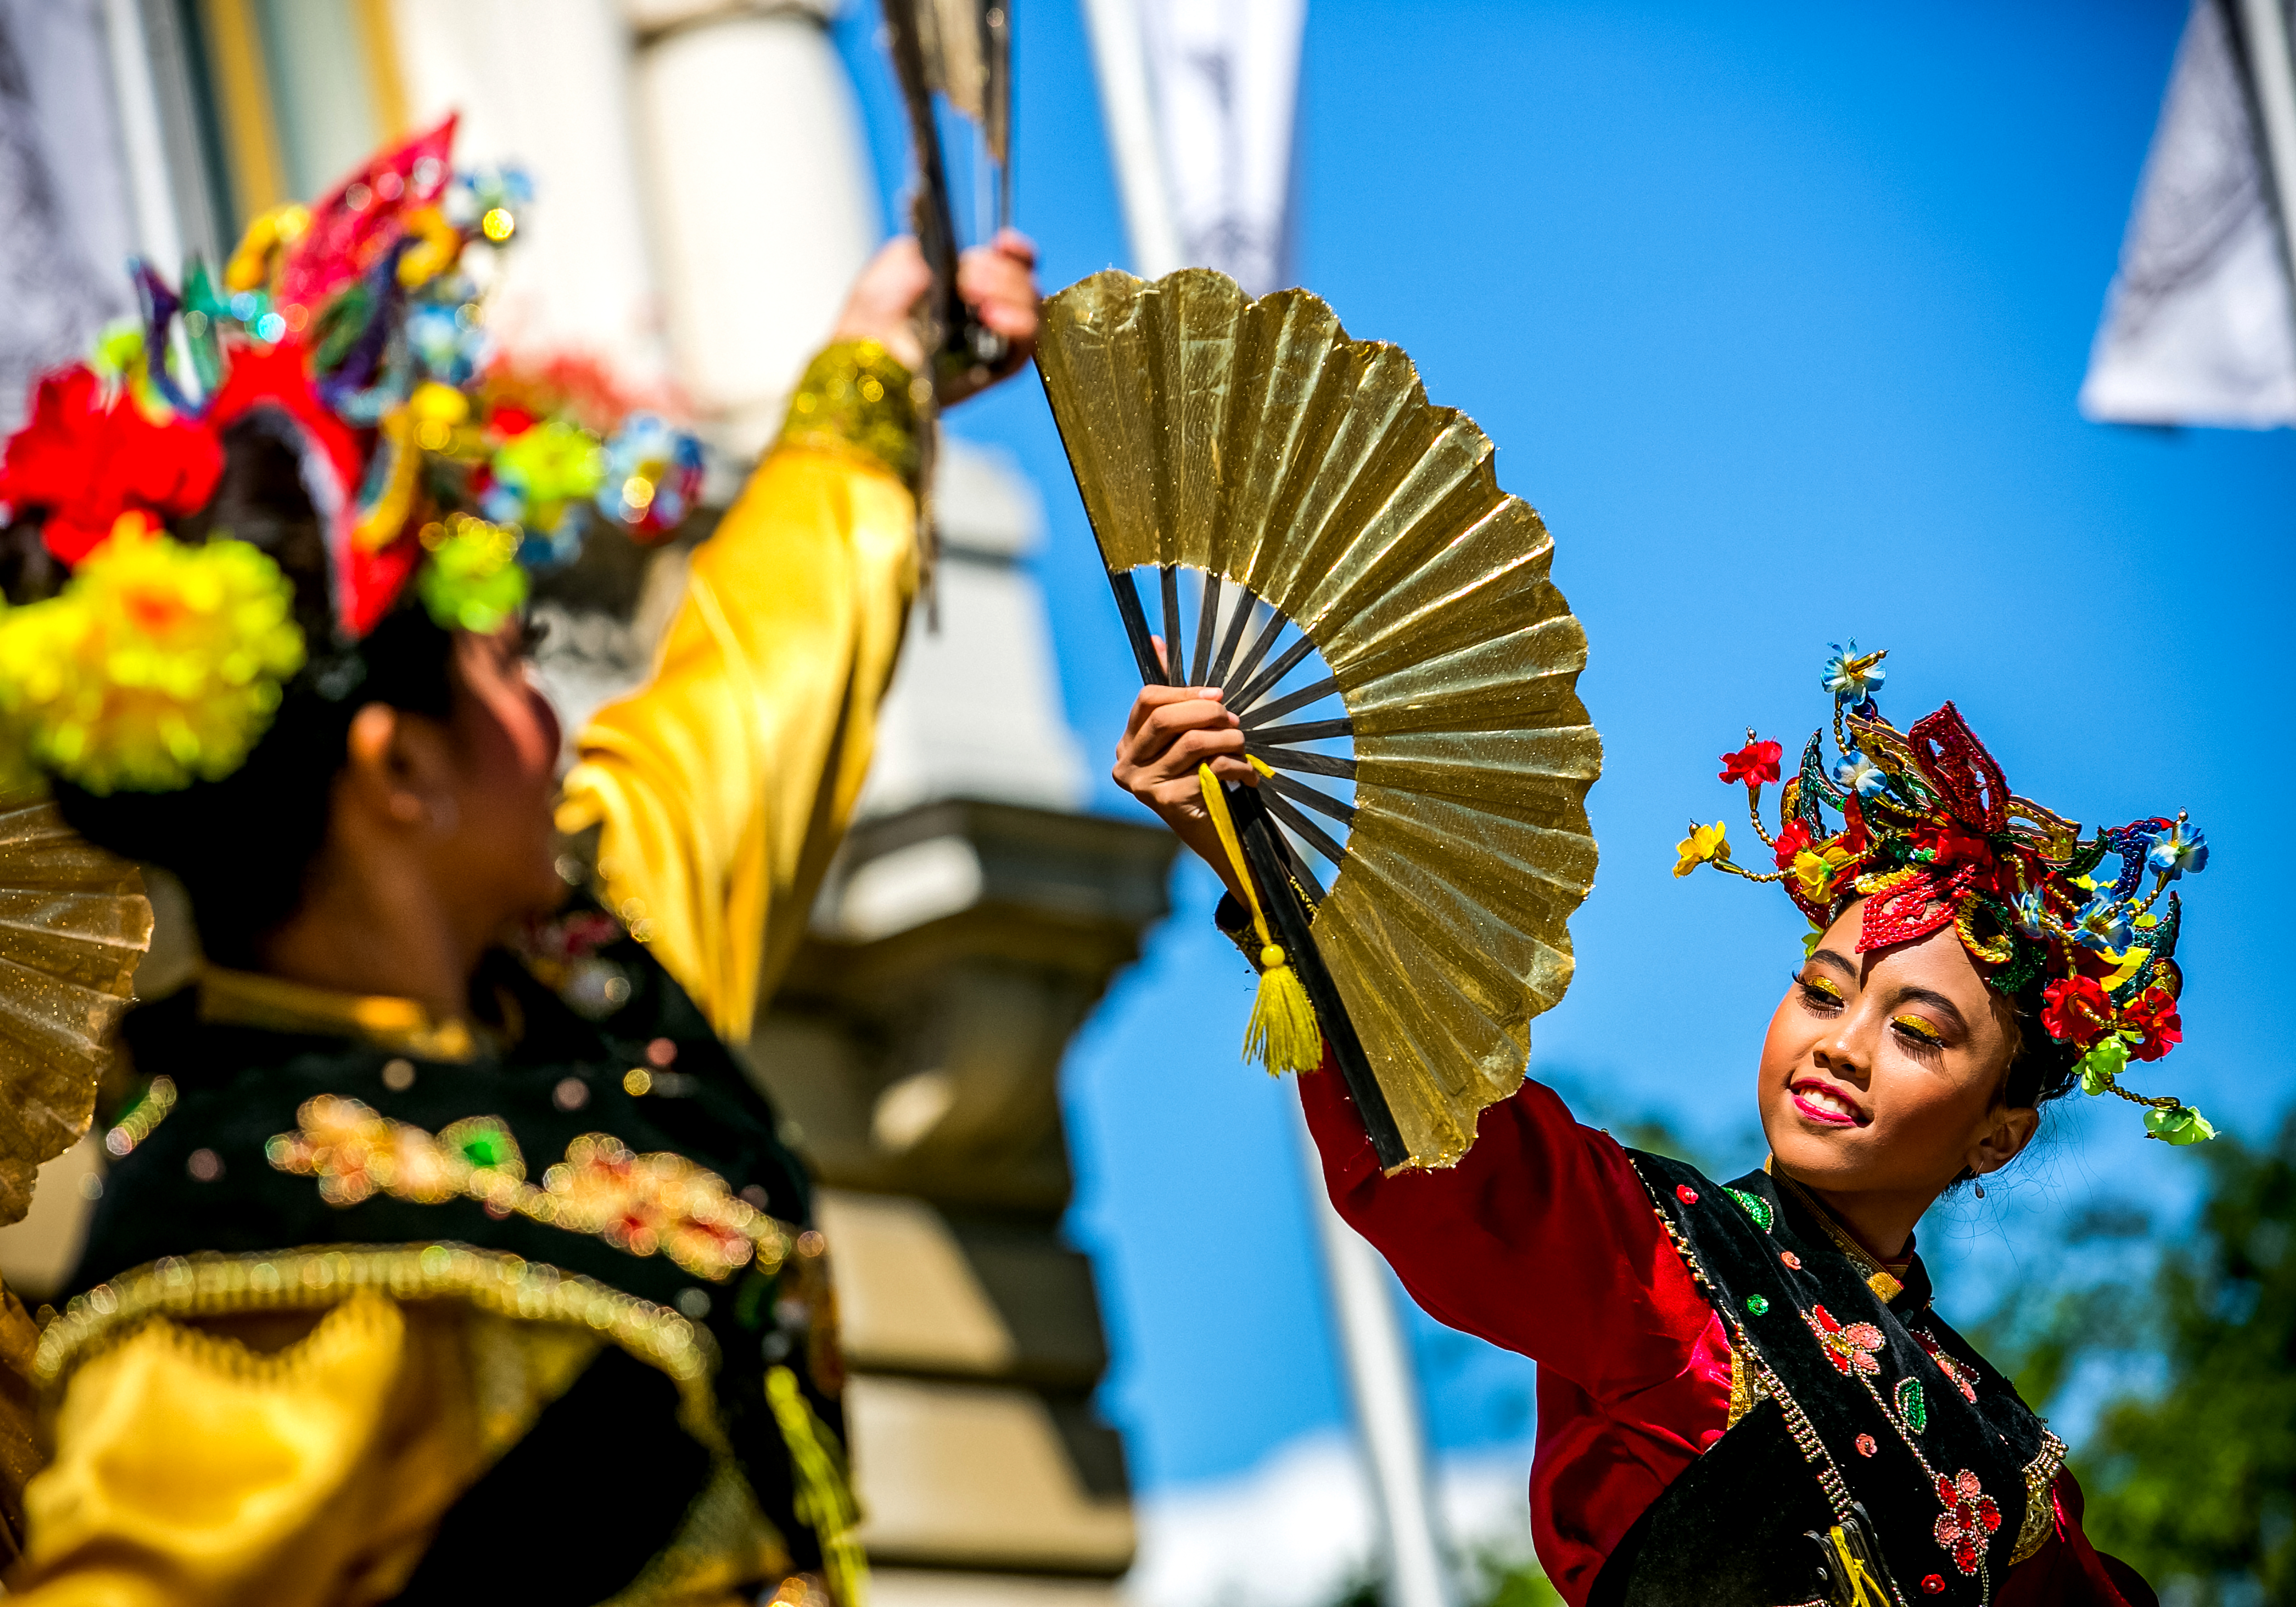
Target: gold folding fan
(74, 922)
(1336, 554)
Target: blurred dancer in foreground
(1744, 1394)
(453, 1257)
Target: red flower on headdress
(276, 380)
(1793, 841)
(1954, 845)
(2075, 1010)
(1754, 762)
(1854, 839)
(85, 459)
(2155, 1014)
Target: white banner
(1200, 98)
(2199, 328)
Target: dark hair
(243, 845)
(2042, 1068)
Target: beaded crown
(349, 332)
(1931, 837)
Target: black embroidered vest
(219, 1203)
(1849, 1401)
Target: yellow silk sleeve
(722, 788)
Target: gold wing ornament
(1337, 554)
(74, 923)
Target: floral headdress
(351, 331)
(1932, 837)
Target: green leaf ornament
(2177, 1124)
(2102, 1064)
(1912, 1406)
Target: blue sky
(1776, 314)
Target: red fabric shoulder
(2068, 1571)
(1541, 1240)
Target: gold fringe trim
(320, 1277)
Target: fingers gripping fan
(1336, 554)
(74, 923)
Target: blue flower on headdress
(654, 473)
(2182, 847)
(446, 335)
(480, 191)
(1859, 774)
(1851, 676)
(2032, 914)
(2103, 923)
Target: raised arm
(1542, 1239)
(722, 788)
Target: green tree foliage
(2193, 1481)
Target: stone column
(760, 196)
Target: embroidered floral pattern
(1849, 1347)
(1951, 1368)
(1969, 1518)
(655, 1204)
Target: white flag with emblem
(1199, 97)
(2199, 326)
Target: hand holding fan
(1335, 553)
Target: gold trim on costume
(244, 998)
(2040, 1509)
(1748, 1385)
(855, 399)
(1886, 1285)
(317, 1278)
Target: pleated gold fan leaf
(74, 923)
(1254, 440)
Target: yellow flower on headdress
(159, 665)
(1815, 869)
(1703, 846)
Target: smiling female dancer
(1744, 1394)
(450, 1255)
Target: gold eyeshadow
(1918, 1028)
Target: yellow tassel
(1282, 1035)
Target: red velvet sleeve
(2068, 1571)
(1542, 1240)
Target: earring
(1981, 1188)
